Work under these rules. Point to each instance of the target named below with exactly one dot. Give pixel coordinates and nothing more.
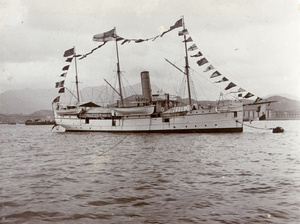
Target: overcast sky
(254, 43)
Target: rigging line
(124, 78)
(217, 86)
(253, 126)
(54, 183)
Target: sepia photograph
(162, 111)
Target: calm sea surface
(56, 177)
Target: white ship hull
(194, 121)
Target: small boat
(39, 122)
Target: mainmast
(187, 65)
(119, 74)
(76, 77)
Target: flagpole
(119, 74)
(187, 65)
(76, 77)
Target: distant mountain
(41, 113)
(289, 96)
(284, 104)
(26, 101)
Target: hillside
(284, 104)
(28, 101)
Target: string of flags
(70, 54)
(111, 35)
(203, 61)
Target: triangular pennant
(224, 79)
(215, 74)
(56, 99)
(193, 47)
(66, 67)
(241, 90)
(248, 95)
(188, 40)
(230, 85)
(210, 67)
(61, 90)
(63, 75)
(258, 99)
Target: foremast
(76, 77)
(187, 65)
(119, 73)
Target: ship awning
(89, 104)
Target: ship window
(235, 113)
(113, 123)
(166, 120)
(216, 125)
(174, 126)
(87, 121)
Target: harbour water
(57, 177)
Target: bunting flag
(106, 36)
(69, 59)
(258, 99)
(56, 99)
(216, 74)
(63, 75)
(230, 85)
(66, 68)
(61, 90)
(224, 79)
(183, 32)
(188, 40)
(125, 41)
(210, 67)
(202, 61)
(83, 56)
(193, 47)
(69, 52)
(140, 40)
(241, 90)
(240, 95)
(59, 84)
(176, 25)
(199, 54)
(248, 95)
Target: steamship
(149, 112)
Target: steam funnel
(146, 86)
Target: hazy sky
(254, 43)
